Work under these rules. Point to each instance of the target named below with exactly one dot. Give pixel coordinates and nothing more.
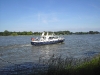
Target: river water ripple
(17, 49)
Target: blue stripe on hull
(46, 43)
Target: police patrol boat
(47, 39)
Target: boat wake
(26, 45)
(15, 46)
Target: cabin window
(51, 37)
(44, 38)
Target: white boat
(47, 39)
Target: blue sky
(50, 15)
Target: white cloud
(47, 18)
(44, 21)
(55, 19)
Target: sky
(50, 15)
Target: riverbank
(56, 66)
(72, 66)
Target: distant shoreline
(9, 33)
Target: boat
(47, 39)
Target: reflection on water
(17, 49)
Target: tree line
(9, 33)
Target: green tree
(6, 33)
(1, 33)
(29, 33)
(91, 32)
(14, 34)
(96, 32)
(37, 33)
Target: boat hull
(47, 42)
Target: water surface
(17, 49)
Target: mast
(47, 34)
(42, 34)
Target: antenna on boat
(43, 34)
(47, 33)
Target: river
(18, 49)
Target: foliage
(93, 32)
(71, 66)
(62, 32)
(37, 33)
(14, 34)
(8, 33)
